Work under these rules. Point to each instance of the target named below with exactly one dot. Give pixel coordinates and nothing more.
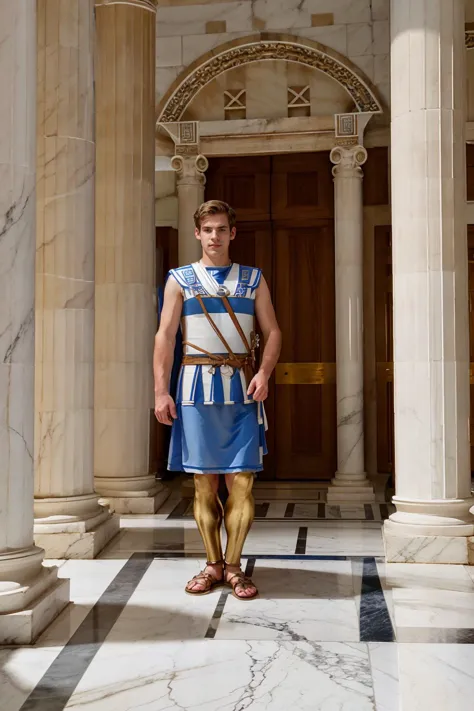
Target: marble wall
(358, 29)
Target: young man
(218, 419)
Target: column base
(350, 488)
(402, 548)
(31, 596)
(78, 540)
(25, 627)
(430, 532)
(133, 503)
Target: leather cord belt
(238, 362)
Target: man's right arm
(165, 340)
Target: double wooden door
(285, 226)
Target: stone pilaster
(69, 521)
(126, 312)
(31, 595)
(350, 482)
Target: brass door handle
(305, 373)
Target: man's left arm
(272, 341)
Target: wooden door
(302, 209)
(384, 349)
(243, 183)
(305, 423)
(284, 207)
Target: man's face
(215, 234)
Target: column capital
(149, 5)
(190, 169)
(348, 160)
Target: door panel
(244, 183)
(302, 188)
(305, 427)
(384, 349)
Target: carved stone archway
(260, 47)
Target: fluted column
(126, 317)
(69, 523)
(190, 183)
(30, 594)
(432, 522)
(350, 482)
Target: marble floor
(335, 628)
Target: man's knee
(206, 484)
(242, 485)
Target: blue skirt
(217, 439)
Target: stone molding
(149, 5)
(266, 46)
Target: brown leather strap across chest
(245, 362)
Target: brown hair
(214, 207)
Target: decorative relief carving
(347, 130)
(348, 160)
(299, 103)
(269, 49)
(190, 169)
(470, 39)
(298, 96)
(188, 132)
(149, 5)
(235, 103)
(346, 126)
(234, 99)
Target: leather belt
(238, 362)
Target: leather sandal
(240, 579)
(209, 580)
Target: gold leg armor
(238, 516)
(208, 513)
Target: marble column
(69, 523)
(350, 482)
(432, 523)
(31, 595)
(190, 184)
(125, 297)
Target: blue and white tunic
(220, 429)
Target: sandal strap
(242, 580)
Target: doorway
(285, 222)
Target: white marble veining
(359, 40)
(192, 19)
(17, 270)
(430, 269)
(217, 675)
(296, 645)
(316, 603)
(435, 677)
(20, 671)
(384, 665)
(332, 539)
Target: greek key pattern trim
(269, 49)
